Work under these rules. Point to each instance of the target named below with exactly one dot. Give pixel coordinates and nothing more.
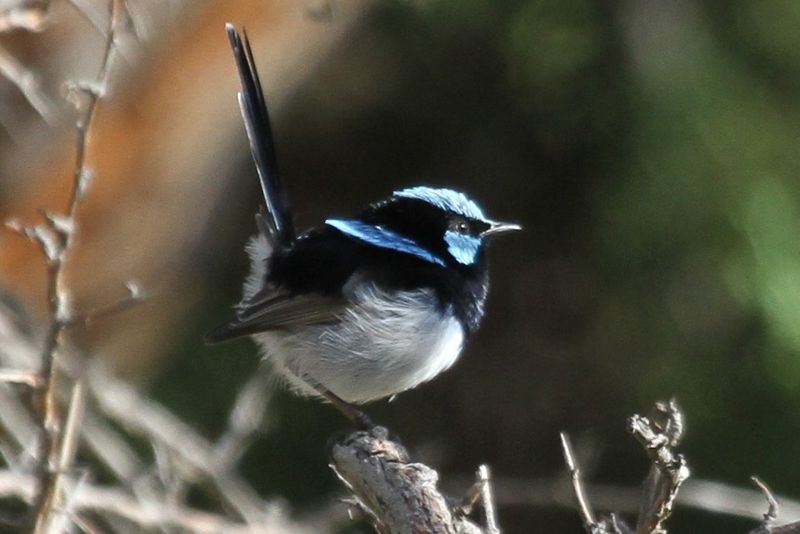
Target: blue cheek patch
(464, 248)
(383, 238)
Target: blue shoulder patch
(445, 199)
(381, 237)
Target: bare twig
(90, 14)
(587, 516)
(68, 449)
(702, 495)
(147, 515)
(33, 18)
(658, 434)
(246, 419)
(487, 499)
(28, 84)
(15, 376)
(56, 250)
(767, 526)
(481, 491)
(772, 510)
(134, 297)
(123, 403)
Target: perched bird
(365, 307)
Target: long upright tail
(278, 222)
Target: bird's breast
(384, 342)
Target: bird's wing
(279, 224)
(280, 311)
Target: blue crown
(445, 199)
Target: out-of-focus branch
(28, 84)
(398, 495)
(195, 458)
(196, 455)
(145, 515)
(246, 420)
(702, 495)
(31, 16)
(56, 248)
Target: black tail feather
(256, 120)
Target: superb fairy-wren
(365, 307)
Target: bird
(363, 307)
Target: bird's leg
(356, 416)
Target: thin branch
(63, 226)
(772, 504)
(57, 522)
(146, 515)
(134, 297)
(487, 499)
(32, 18)
(121, 402)
(768, 526)
(16, 376)
(587, 516)
(28, 84)
(703, 495)
(245, 421)
(658, 434)
(91, 15)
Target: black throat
(459, 289)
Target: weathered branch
(398, 495)
(768, 526)
(659, 434)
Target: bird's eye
(461, 226)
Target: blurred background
(649, 148)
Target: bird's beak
(500, 228)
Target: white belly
(384, 343)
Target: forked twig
(55, 238)
(658, 434)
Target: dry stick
(400, 496)
(148, 515)
(134, 297)
(28, 84)
(63, 228)
(771, 516)
(772, 510)
(124, 404)
(121, 402)
(91, 17)
(69, 448)
(245, 421)
(16, 376)
(701, 495)
(668, 470)
(487, 500)
(31, 18)
(589, 521)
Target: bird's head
(440, 226)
